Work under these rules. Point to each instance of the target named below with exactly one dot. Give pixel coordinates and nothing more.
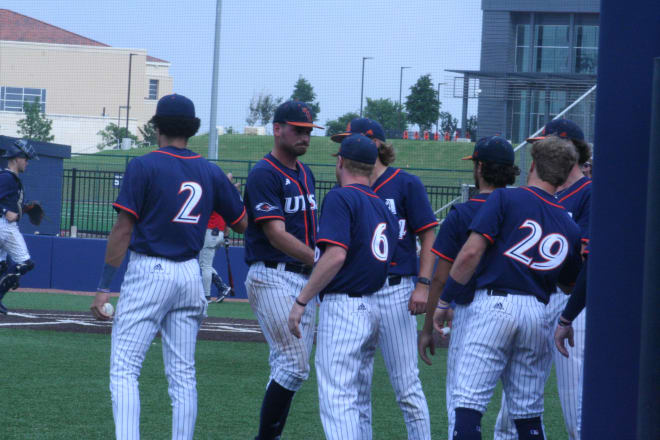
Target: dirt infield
(213, 329)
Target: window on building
(552, 48)
(586, 49)
(523, 47)
(153, 89)
(12, 98)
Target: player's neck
(13, 167)
(351, 179)
(379, 169)
(286, 159)
(575, 175)
(176, 142)
(541, 184)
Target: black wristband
(301, 304)
(563, 322)
(106, 277)
(423, 280)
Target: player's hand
(417, 303)
(561, 334)
(442, 318)
(230, 176)
(295, 315)
(11, 216)
(97, 306)
(424, 341)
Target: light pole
(400, 87)
(437, 124)
(362, 87)
(128, 97)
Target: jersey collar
(283, 167)
(547, 198)
(387, 175)
(579, 184)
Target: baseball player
(402, 296)
(356, 243)
(575, 196)
(164, 205)
(214, 238)
(279, 248)
(12, 205)
(528, 243)
(494, 168)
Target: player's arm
(419, 297)
(240, 226)
(463, 268)
(425, 338)
(283, 241)
(325, 270)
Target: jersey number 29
(184, 215)
(553, 248)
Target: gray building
(537, 58)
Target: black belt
(290, 267)
(394, 280)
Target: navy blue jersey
(11, 192)
(171, 192)
(406, 198)
(274, 191)
(355, 218)
(577, 201)
(533, 242)
(455, 231)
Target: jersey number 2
(184, 215)
(553, 248)
(379, 244)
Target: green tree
(472, 126)
(339, 125)
(112, 135)
(448, 123)
(303, 91)
(35, 125)
(388, 114)
(422, 104)
(262, 108)
(148, 133)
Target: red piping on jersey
(239, 217)
(575, 191)
(425, 227)
(451, 260)
(489, 238)
(176, 155)
(321, 240)
(549, 203)
(387, 180)
(585, 240)
(301, 193)
(361, 190)
(268, 217)
(123, 208)
(476, 200)
(307, 188)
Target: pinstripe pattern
(157, 295)
(346, 343)
(569, 375)
(272, 293)
(505, 337)
(12, 241)
(206, 255)
(397, 339)
(455, 343)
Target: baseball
(108, 309)
(445, 331)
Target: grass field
(55, 386)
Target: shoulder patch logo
(265, 207)
(287, 182)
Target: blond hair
(554, 159)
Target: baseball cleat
(8, 282)
(3, 309)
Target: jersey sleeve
(227, 201)
(448, 243)
(489, 218)
(572, 265)
(584, 219)
(133, 189)
(419, 214)
(8, 185)
(335, 224)
(263, 192)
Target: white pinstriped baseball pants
(505, 337)
(455, 343)
(157, 295)
(569, 375)
(272, 293)
(206, 255)
(12, 241)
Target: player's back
(370, 242)
(577, 201)
(532, 240)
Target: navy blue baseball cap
(295, 113)
(359, 148)
(175, 106)
(493, 149)
(365, 126)
(562, 128)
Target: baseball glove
(35, 212)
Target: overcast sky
(266, 45)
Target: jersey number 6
(553, 248)
(184, 215)
(379, 244)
